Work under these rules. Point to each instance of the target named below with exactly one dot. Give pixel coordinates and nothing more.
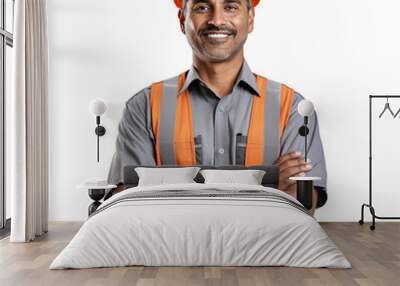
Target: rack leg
(361, 221)
(372, 210)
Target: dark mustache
(213, 28)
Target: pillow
(248, 177)
(162, 176)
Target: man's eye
(231, 8)
(201, 8)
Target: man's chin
(217, 57)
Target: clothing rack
(370, 205)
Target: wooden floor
(375, 257)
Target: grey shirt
(217, 121)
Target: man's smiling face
(216, 29)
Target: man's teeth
(217, 35)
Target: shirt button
(221, 151)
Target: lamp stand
(305, 185)
(304, 131)
(100, 131)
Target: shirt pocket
(241, 144)
(198, 146)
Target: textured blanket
(201, 225)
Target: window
(6, 44)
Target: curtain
(29, 122)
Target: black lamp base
(96, 195)
(305, 190)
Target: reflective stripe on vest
(172, 123)
(273, 105)
(173, 127)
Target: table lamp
(305, 185)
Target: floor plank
(375, 257)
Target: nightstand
(96, 193)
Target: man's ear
(181, 17)
(252, 13)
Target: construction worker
(219, 112)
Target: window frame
(6, 39)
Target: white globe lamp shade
(305, 108)
(97, 107)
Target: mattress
(201, 225)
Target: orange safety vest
(183, 136)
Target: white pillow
(248, 177)
(163, 176)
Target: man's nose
(217, 17)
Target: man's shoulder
(139, 97)
(142, 95)
(280, 85)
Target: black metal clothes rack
(370, 205)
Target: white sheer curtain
(29, 123)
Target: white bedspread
(202, 231)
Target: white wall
(335, 53)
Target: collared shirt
(217, 122)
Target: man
(219, 112)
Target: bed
(201, 224)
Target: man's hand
(118, 189)
(291, 165)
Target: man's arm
(291, 162)
(134, 145)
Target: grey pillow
(248, 177)
(162, 176)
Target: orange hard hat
(179, 3)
